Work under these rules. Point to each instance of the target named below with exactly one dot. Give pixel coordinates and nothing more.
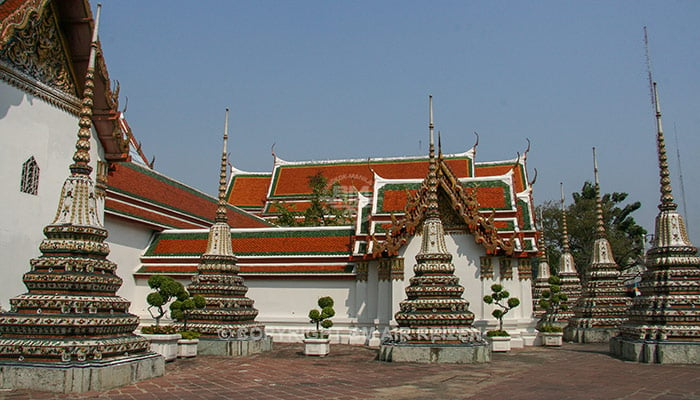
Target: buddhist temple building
(604, 303)
(70, 332)
(570, 281)
(664, 321)
(159, 225)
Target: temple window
(30, 177)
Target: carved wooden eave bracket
(463, 202)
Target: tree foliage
(625, 236)
(553, 301)
(166, 288)
(496, 297)
(180, 309)
(323, 316)
(328, 206)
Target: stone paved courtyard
(351, 372)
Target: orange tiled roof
(248, 190)
(292, 179)
(502, 169)
(151, 190)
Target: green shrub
(497, 333)
(189, 335)
(166, 288)
(322, 318)
(158, 330)
(498, 295)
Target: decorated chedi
(570, 282)
(227, 323)
(664, 321)
(71, 332)
(603, 304)
(434, 315)
(543, 274)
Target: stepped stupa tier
(434, 313)
(570, 282)
(227, 323)
(71, 316)
(542, 279)
(603, 304)
(664, 321)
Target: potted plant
(317, 343)
(187, 344)
(163, 338)
(552, 301)
(179, 311)
(500, 339)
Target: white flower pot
(317, 347)
(552, 338)
(499, 343)
(187, 347)
(165, 345)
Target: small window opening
(30, 177)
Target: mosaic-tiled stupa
(227, 323)
(434, 318)
(603, 304)
(664, 321)
(570, 282)
(71, 332)
(542, 279)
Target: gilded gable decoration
(36, 49)
(464, 203)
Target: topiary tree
(180, 309)
(552, 301)
(166, 288)
(497, 297)
(323, 316)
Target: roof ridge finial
(81, 157)
(667, 202)
(600, 225)
(564, 229)
(221, 209)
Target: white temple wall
(30, 127)
(127, 242)
(284, 306)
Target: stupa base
(652, 351)
(79, 377)
(234, 347)
(589, 335)
(457, 353)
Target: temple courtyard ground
(350, 372)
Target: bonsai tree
(166, 288)
(498, 297)
(323, 316)
(552, 301)
(180, 309)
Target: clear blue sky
(334, 79)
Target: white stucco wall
(30, 127)
(127, 242)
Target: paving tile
(352, 372)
